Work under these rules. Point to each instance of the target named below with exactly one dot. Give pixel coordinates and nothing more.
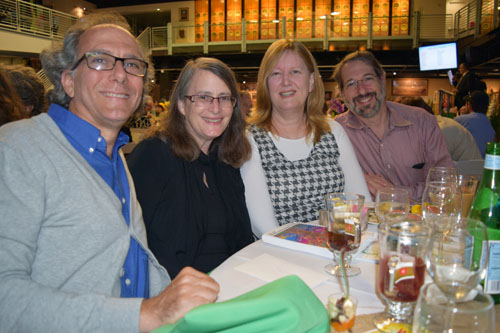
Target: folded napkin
(285, 305)
(269, 268)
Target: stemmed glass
(442, 174)
(477, 314)
(441, 200)
(392, 204)
(401, 270)
(345, 214)
(456, 260)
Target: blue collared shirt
(87, 140)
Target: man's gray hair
(63, 55)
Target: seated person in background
(187, 175)
(298, 155)
(459, 141)
(29, 87)
(476, 121)
(396, 144)
(72, 242)
(11, 106)
(246, 103)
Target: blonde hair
(316, 121)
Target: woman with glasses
(187, 176)
(298, 154)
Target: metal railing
(28, 18)
(477, 17)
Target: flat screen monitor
(440, 56)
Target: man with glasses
(395, 144)
(72, 240)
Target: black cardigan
(187, 223)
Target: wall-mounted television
(439, 56)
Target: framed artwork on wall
(410, 87)
(183, 14)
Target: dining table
(260, 263)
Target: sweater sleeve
(354, 178)
(28, 306)
(257, 196)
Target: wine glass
(456, 258)
(345, 214)
(441, 200)
(442, 174)
(476, 314)
(392, 204)
(401, 270)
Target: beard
(367, 111)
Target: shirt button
(127, 282)
(99, 139)
(91, 150)
(124, 200)
(122, 272)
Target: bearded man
(396, 144)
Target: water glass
(392, 204)
(435, 313)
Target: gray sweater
(63, 239)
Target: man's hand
(189, 289)
(376, 182)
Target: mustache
(364, 96)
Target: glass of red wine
(401, 271)
(345, 216)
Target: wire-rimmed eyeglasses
(367, 81)
(105, 62)
(206, 100)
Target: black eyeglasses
(206, 101)
(106, 62)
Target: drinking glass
(456, 258)
(442, 174)
(441, 200)
(468, 186)
(345, 214)
(342, 312)
(392, 204)
(474, 315)
(401, 270)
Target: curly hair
(11, 106)
(63, 56)
(29, 87)
(233, 146)
(316, 121)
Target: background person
(460, 143)
(298, 155)
(476, 122)
(187, 173)
(29, 87)
(72, 241)
(246, 103)
(11, 107)
(395, 144)
(466, 83)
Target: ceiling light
(334, 13)
(394, 73)
(300, 19)
(157, 9)
(276, 21)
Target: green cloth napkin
(284, 305)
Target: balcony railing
(476, 18)
(33, 19)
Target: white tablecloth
(234, 283)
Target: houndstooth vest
(297, 188)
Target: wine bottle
(486, 208)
